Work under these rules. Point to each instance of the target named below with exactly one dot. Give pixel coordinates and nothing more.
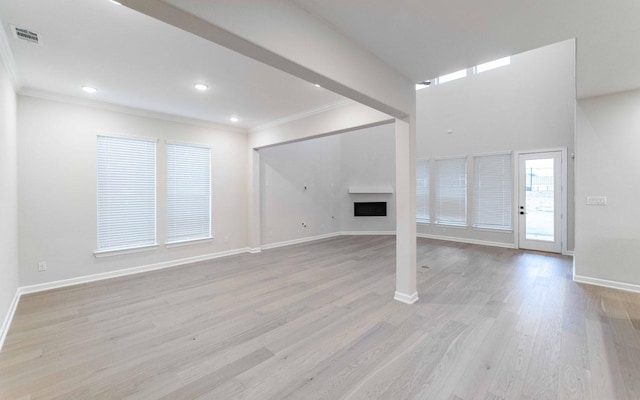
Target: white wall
(335, 119)
(8, 195)
(368, 159)
(528, 105)
(607, 143)
(286, 170)
(327, 166)
(57, 188)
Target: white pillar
(254, 218)
(406, 291)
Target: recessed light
(317, 85)
(201, 86)
(116, 2)
(89, 89)
(234, 119)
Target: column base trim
(406, 298)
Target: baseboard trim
(255, 250)
(297, 241)
(7, 321)
(470, 241)
(628, 287)
(128, 271)
(367, 233)
(406, 298)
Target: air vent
(27, 35)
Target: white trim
(6, 324)
(128, 271)
(568, 253)
(564, 178)
(299, 116)
(464, 240)
(367, 233)
(128, 250)
(254, 251)
(460, 157)
(180, 243)
(41, 94)
(7, 57)
(493, 153)
(629, 287)
(301, 240)
(119, 135)
(405, 298)
(192, 144)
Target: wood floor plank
(318, 321)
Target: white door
(540, 201)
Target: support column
(254, 218)
(406, 290)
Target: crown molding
(45, 95)
(299, 116)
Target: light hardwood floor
(317, 321)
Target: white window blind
(126, 193)
(188, 192)
(451, 191)
(492, 191)
(422, 190)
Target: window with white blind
(492, 192)
(126, 193)
(188, 192)
(422, 191)
(451, 191)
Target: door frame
(563, 196)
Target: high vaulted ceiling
(427, 38)
(137, 61)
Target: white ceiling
(139, 62)
(427, 38)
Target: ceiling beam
(286, 37)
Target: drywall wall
(368, 160)
(8, 196)
(528, 105)
(338, 118)
(57, 188)
(607, 143)
(299, 182)
(308, 182)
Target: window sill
(423, 221)
(494, 230)
(127, 250)
(454, 226)
(187, 242)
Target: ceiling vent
(27, 35)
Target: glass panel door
(540, 201)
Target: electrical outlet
(597, 200)
(42, 266)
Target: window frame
(147, 244)
(207, 235)
(507, 181)
(438, 189)
(427, 191)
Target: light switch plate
(597, 200)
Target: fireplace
(370, 209)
